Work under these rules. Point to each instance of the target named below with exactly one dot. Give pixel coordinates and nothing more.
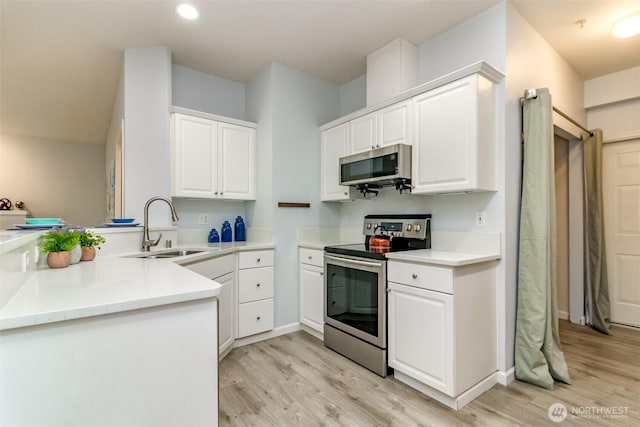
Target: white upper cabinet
(236, 150)
(194, 156)
(334, 144)
(212, 159)
(363, 133)
(395, 124)
(454, 138)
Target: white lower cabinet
(312, 289)
(222, 270)
(442, 331)
(255, 292)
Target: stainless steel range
(355, 291)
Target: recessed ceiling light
(187, 11)
(627, 27)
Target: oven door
(355, 298)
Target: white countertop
(103, 286)
(449, 258)
(113, 284)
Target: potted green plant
(89, 242)
(57, 244)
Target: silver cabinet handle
(414, 275)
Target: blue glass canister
(240, 230)
(214, 237)
(226, 232)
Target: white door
(621, 188)
(363, 133)
(312, 296)
(394, 124)
(226, 312)
(421, 335)
(335, 144)
(444, 138)
(236, 151)
(194, 156)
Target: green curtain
(538, 354)
(597, 285)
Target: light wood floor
(293, 380)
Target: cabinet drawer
(252, 259)
(312, 257)
(255, 317)
(213, 268)
(255, 284)
(439, 279)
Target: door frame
(576, 225)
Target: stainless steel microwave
(380, 167)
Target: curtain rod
(531, 94)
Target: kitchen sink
(169, 254)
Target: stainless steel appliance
(355, 296)
(386, 166)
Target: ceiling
(60, 60)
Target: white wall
(55, 179)
(613, 103)
(531, 63)
(210, 94)
(147, 159)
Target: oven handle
(353, 261)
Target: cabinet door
(421, 335)
(445, 138)
(226, 312)
(312, 296)
(394, 124)
(335, 144)
(363, 133)
(194, 156)
(236, 153)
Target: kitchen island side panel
(148, 367)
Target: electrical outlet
(481, 217)
(203, 219)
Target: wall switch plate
(203, 219)
(481, 217)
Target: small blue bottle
(214, 237)
(225, 232)
(240, 230)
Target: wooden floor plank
(293, 380)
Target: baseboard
(312, 332)
(505, 378)
(456, 403)
(276, 332)
(563, 315)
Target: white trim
(506, 378)
(625, 138)
(563, 315)
(203, 115)
(312, 332)
(276, 332)
(456, 403)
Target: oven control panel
(414, 226)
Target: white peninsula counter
(115, 341)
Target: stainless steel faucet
(147, 243)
